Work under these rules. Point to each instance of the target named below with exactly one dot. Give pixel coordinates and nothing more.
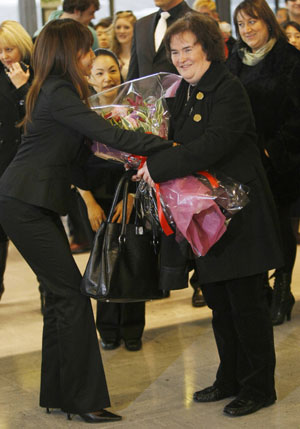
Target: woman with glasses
(269, 68)
(123, 27)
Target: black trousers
(72, 375)
(244, 336)
(114, 321)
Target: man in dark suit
(145, 59)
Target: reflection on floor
(151, 388)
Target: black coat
(216, 131)
(41, 172)
(12, 110)
(12, 103)
(273, 86)
(144, 60)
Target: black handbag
(124, 262)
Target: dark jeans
(72, 376)
(244, 336)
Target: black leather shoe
(243, 406)
(101, 416)
(133, 345)
(110, 344)
(198, 299)
(211, 394)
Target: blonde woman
(123, 26)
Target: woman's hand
(143, 173)
(96, 215)
(17, 75)
(118, 212)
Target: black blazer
(217, 132)
(11, 112)
(41, 172)
(144, 60)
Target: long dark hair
(259, 9)
(56, 52)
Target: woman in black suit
(15, 48)
(34, 192)
(269, 68)
(212, 119)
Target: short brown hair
(82, 5)
(259, 9)
(205, 29)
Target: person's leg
(70, 345)
(132, 324)
(253, 327)
(283, 299)
(108, 324)
(3, 257)
(217, 299)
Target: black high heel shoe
(101, 416)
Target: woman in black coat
(212, 121)
(34, 192)
(269, 68)
(15, 49)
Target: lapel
(152, 25)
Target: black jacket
(144, 60)
(41, 172)
(217, 132)
(12, 110)
(273, 86)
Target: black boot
(3, 257)
(283, 299)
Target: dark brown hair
(56, 52)
(205, 29)
(82, 5)
(259, 9)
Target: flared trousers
(72, 374)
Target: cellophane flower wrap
(197, 208)
(139, 105)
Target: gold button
(200, 95)
(197, 117)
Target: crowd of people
(236, 111)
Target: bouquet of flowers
(139, 105)
(198, 208)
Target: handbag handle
(123, 182)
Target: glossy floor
(151, 388)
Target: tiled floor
(151, 388)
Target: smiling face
(9, 55)
(293, 7)
(294, 36)
(105, 74)
(124, 31)
(85, 62)
(188, 57)
(253, 31)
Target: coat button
(197, 117)
(200, 95)
(1, 142)
(1, 123)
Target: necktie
(161, 29)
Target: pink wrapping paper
(198, 218)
